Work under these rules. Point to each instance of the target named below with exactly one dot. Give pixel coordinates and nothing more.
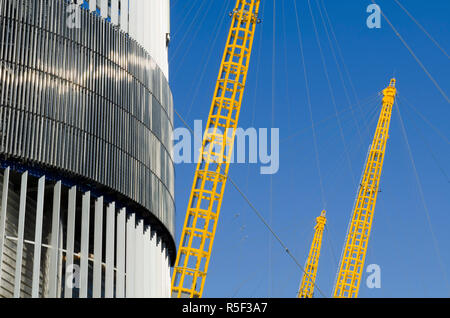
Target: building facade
(87, 175)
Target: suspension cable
(415, 57)
(330, 88)
(259, 215)
(308, 96)
(423, 29)
(422, 198)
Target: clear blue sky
(245, 263)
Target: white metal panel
(149, 22)
(3, 215)
(132, 24)
(147, 262)
(120, 254)
(92, 5)
(139, 21)
(130, 255)
(84, 251)
(139, 260)
(165, 273)
(104, 8)
(154, 31)
(54, 241)
(70, 238)
(158, 266)
(124, 15)
(38, 239)
(20, 232)
(98, 244)
(115, 12)
(60, 263)
(144, 23)
(167, 16)
(110, 222)
(168, 279)
(154, 291)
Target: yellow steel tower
(309, 276)
(354, 253)
(197, 237)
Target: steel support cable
(174, 3)
(254, 274)
(372, 115)
(308, 97)
(415, 56)
(187, 15)
(199, 79)
(331, 174)
(342, 57)
(258, 64)
(288, 101)
(340, 162)
(258, 214)
(193, 37)
(188, 29)
(333, 116)
(432, 153)
(422, 28)
(341, 77)
(422, 198)
(330, 88)
(310, 234)
(436, 130)
(331, 245)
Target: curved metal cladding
(81, 98)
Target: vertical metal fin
(84, 252)
(70, 239)
(3, 216)
(54, 240)
(20, 233)
(109, 279)
(98, 244)
(130, 255)
(115, 12)
(120, 254)
(139, 266)
(146, 250)
(92, 5)
(124, 16)
(38, 239)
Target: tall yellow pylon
(354, 252)
(197, 237)
(309, 276)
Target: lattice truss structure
(210, 177)
(354, 252)
(309, 276)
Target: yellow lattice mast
(309, 276)
(200, 224)
(354, 252)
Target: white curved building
(146, 21)
(86, 161)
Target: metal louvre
(40, 215)
(89, 101)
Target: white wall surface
(147, 21)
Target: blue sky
(246, 261)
